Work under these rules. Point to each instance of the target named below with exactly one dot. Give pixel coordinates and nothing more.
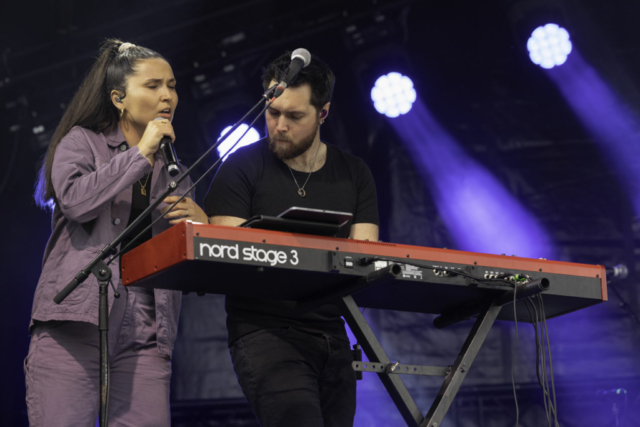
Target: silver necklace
(301, 191)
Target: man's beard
(292, 150)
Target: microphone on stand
(169, 155)
(300, 58)
(619, 272)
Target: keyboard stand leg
(374, 351)
(393, 383)
(459, 369)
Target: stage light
(225, 149)
(480, 212)
(393, 94)
(549, 46)
(612, 122)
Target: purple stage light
(480, 214)
(393, 94)
(225, 149)
(549, 46)
(615, 128)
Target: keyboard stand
(272, 264)
(388, 371)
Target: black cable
(540, 360)
(553, 387)
(543, 367)
(539, 356)
(623, 303)
(106, 416)
(533, 314)
(106, 406)
(513, 360)
(550, 408)
(543, 347)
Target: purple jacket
(93, 175)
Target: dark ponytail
(91, 106)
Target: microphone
(169, 155)
(619, 272)
(300, 58)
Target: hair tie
(125, 46)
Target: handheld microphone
(300, 58)
(169, 155)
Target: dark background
(469, 65)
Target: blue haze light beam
(615, 128)
(480, 214)
(592, 345)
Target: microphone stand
(102, 272)
(623, 302)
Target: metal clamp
(398, 368)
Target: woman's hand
(153, 134)
(186, 209)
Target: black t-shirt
(139, 202)
(253, 181)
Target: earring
(121, 112)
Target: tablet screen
(317, 215)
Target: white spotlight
(549, 46)
(393, 94)
(224, 148)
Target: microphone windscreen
(302, 54)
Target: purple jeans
(63, 366)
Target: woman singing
(102, 169)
